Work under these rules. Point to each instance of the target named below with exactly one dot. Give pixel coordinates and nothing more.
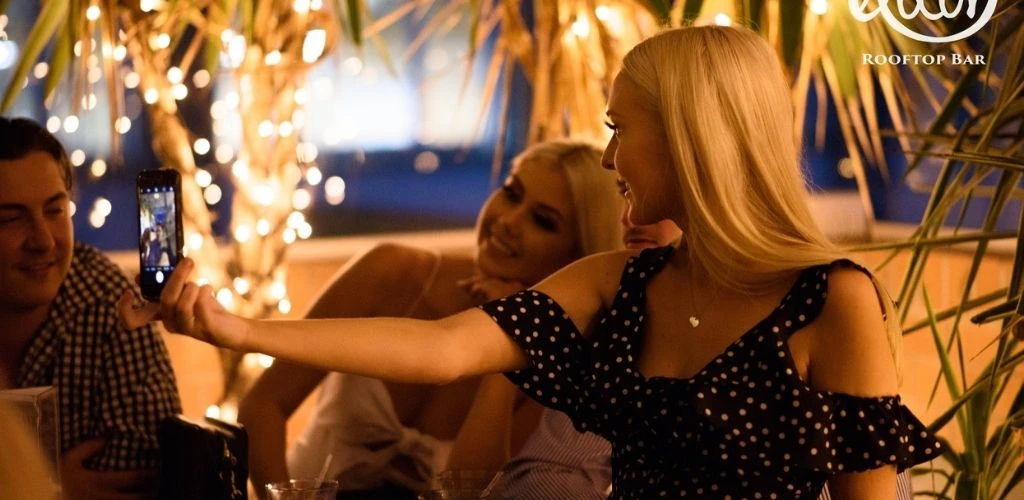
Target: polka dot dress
(746, 426)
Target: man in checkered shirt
(58, 311)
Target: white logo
(857, 9)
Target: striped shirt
(111, 383)
(558, 462)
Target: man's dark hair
(20, 137)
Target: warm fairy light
(231, 100)
(120, 52)
(263, 194)
(284, 306)
(316, 4)
(71, 124)
(89, 101)
(77, 49)
(226, 36)
(273, 58)
(301, 199)
(102, 206)
(295, 219)
(241, 285)
(175, 75)
(263, 227)
(288, 235)
(298, 118)
(314, 176)
(580, 27)
(212, 411)
(243, 233)
(236, 51)
(224, 153)
(53, 124)
(98, 168)
(131, 80)
(96, 219)
(301, 96)
(77, 157)
(722, 19)
(426, 162)
(201, 146)
(95, 74)
(285, 129)
(180, 91)
(201, 79)
(195, 241)
(217, 110)
(148, 5)
(123, 125)
(305, 230)
(313, 45)
(278, 290)
(212, 194)
(819, 7)
(240, 169)
(203, 178)
(108, 50)
(265, 128)
(151, 96)
(602, 12)
(40, 70)
(72, 208)
(226, 298)
(301, 6)
(334, 189)
(264, 360)
(92, 13)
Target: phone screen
(159, 230)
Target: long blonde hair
(595, 195)
(725, 106)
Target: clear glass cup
(302, 489)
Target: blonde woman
(711, 368)
(388, 439)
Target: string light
(131, 80)
(301, 199)
(264, 360)
(174, 75)
(284, 306)
(316, 4)
(722, 19)
(195, 241)
(148, 5)
(212, 194)
(301, 6)
(580, 27)
(602, 12)
(240, 169)
(71, 124)
(224, 153)
(123, 125)
(265, 128)
(426, 162)
(212, 411)
(226, 298)
(278, 290)
(236, 51)
(285, 129)
(305, 230)
(103, 206)
(203, 178)
(77, 157)
(201, 146)
(353, 65)
(53, 124)
(72, 208)
(243, 233)
(334, 189)
(96, 219)
(263, 227)
(313, 45)
(295, 219)
(98, 168)
(201, 78)
(288, 235)
(314, 176)
(273, 58)
(180, 91)
(819, 7)
(40, 70)
(92, 13)
(241, 285)
(263, 194)
(151, 96)
(120, 52)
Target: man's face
(36, 235)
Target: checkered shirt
(111, 383)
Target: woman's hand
(484, 289)
(188, 309)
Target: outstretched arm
(465, 344)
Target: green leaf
(50, 18)
(59, 60)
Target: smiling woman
(391, 438)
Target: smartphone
(160, 228)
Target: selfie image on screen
(157, 242)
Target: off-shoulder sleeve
(553, 344)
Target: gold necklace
(695, 318)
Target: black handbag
(206, 460)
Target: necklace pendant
(694, 322)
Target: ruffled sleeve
(552, 343)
